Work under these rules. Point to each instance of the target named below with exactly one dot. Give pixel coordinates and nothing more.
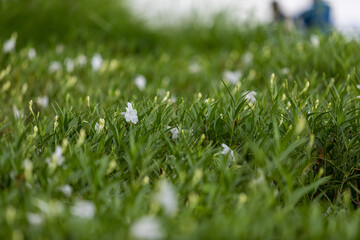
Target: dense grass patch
(239, 132)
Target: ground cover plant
(186, 132)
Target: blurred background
(44, 21)
(346, 15)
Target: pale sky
(345, 12)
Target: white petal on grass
(247, 58)
(34, 218)
(99, 126)
(315, 40)
(81, 60)
(147, 228)
(130, 114)
(66, 190)
(250, 96)
(51, 208)
(285, 71)
(140, 82)
(96, 127)
(166, 197)
(83, 209)
(31, 53)
(96, 62)
(232, 76)
(227, 151)
(194, 68)
(69, 65)
(358, 86)
(58, 154)
(174, 131)
(9, 45)
(17, 113)
(54, 66)
(43, 206)
(42, 101)
(57, 157)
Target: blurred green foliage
(68, 21)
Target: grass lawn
(113, 130)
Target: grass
(295, 170)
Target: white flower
(54, 66)
(43, 206)
(174, 132)
(227, 151)
(96, 62)
(194, 68)
(81, 60)
(166, 197)
(232, 76)
(9, 45)
(17, 113)
(66, 190)
(58, 155)
(52, 208)
(358, 86)
(31, 53)
(285, 71)
(42, 101)
(250, 96)
(140, 82)
(57, 159)
(69, 64)
(147, 228)
(247, 58)
(34, 218)
(315, 41)
(130, 114)
(83, 209)
(100, 125)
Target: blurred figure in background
(278, 15)
(318, 16)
